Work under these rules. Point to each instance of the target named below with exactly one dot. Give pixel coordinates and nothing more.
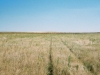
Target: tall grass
(49, 54)
(86, 48)
(19, 55)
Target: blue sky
(50, 15)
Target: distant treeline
(48, 32)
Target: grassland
(49, 54)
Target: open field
(49, 54)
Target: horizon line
(42, 32)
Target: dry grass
(24, 56)
(65, 62)
(49, 54)
(86, 48)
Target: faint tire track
(73, 55)
(50, 68)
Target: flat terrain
(49, 54)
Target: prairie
(49, 54)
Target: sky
(50, 15)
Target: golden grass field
(49, 54)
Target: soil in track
(50, 68)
